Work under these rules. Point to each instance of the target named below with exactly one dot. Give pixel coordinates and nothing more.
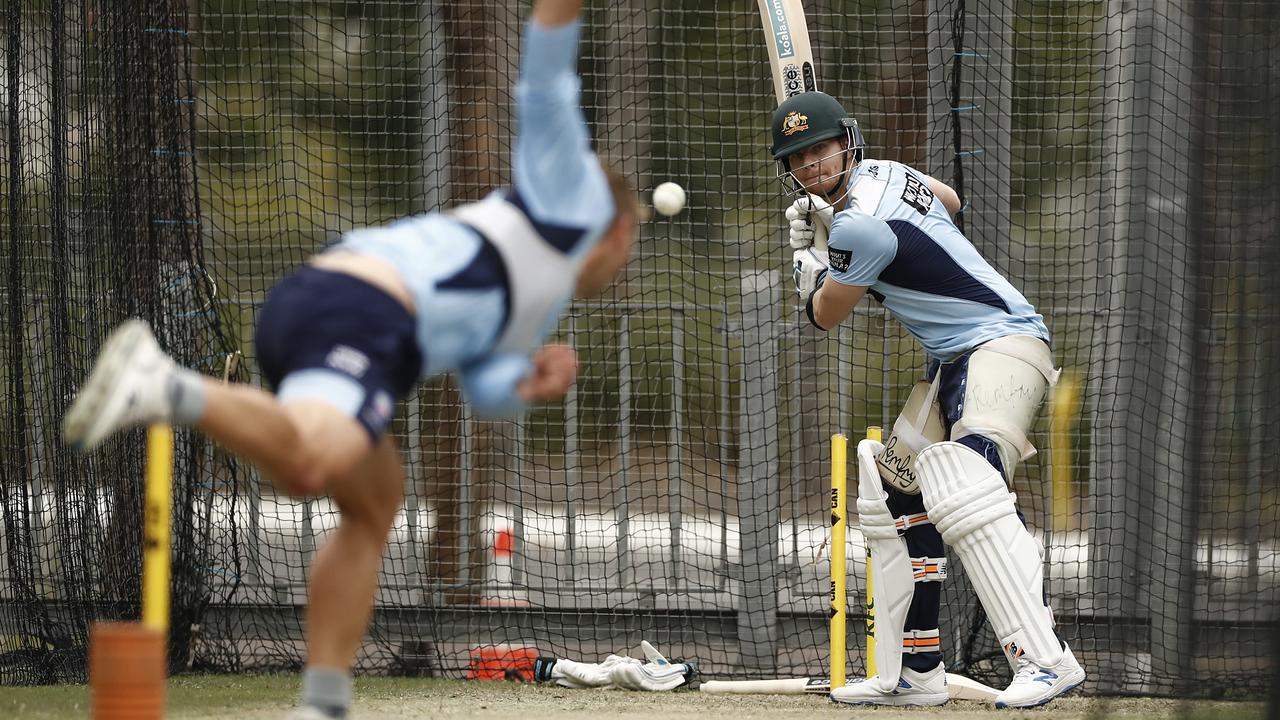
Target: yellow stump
(127, 661)
(873, 433)
(155, 538)
(839, 516)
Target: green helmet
(808, 118)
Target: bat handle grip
(820, 233)
(820, 230)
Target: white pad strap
(975, 512)
(905, 522)
(990, 426)
(920, 641)
(927, 569)
(891, 571)
(912, 430)
(918, 426)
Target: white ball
(668, 198)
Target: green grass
(226, 693)
(192, 696)
(268, 697)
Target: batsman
(890, 232)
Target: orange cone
(126, 672)
(500, 589)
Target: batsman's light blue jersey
(897, 239)
(492, 278)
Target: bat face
(780, 686)
(790, 55)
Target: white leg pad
(891, 571)
(968, 502)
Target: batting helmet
(811, 117)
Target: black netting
(102, 222)
(1116, 160)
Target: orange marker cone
(126, 672)
(500, 589)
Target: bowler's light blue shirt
(459, 290)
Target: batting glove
(651, 676)
(809, 270)
(616, 671)
(802, 216)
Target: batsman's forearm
(821, 314)
(832, 302)
(554, 13)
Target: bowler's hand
(555, 368)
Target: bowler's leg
(345, 571)
(344, 577)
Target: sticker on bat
(792, 80)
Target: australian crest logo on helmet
(804, 120)
(808, 118)
(794, 123)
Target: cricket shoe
(306, 712)
(913, 689)
(128, 386)
(1035, 685)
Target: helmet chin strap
(826, 193)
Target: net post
(839, 517)
(758, 507)
(155, 539)
(876, 434)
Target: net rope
(172, 160)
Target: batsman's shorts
(332, 337)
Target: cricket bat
(790, 62)
(790, 56)
(780, 686)
(959, 687)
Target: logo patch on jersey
(377, 413)
(347, 359)
(917, 195)
(839, 259)
(794, 122)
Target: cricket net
(1117, 161)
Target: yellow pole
(155, 538)
(873, 433)
(839, 516)
(1066, 398)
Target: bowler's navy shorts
(329, 336)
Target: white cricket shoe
(128, 386)
(306, 712)
(914, 689)
(1034, 685)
